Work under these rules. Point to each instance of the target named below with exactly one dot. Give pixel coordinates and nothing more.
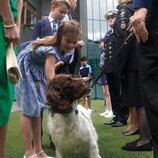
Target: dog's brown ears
(56, 99)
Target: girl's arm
(50, 67)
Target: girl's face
(69, 41)
(59, 12)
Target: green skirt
(6, 89)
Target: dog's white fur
(70, 131)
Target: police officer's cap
(110, 14)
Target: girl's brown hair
(66, 27)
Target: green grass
(110, 139)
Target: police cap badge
(110, 14)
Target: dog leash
(126, 40)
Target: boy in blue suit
(49, 25)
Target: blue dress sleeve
(45, 50)
(39, 54)
(42, 51)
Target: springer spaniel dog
(69, 123)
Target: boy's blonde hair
(71, 26)
(123, 1)
(57, 3)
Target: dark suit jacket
(127, 57)
(140, 3)
(42, 29)
(149, 4)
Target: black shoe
(119, 124)
(128, 133)
(110, 123)
(133, 147)
(133, 143)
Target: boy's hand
(80, 44)
(57, 65)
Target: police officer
(121, 113)
(148, 38)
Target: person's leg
(149, 80)
(103, 80)
(109, 112)
(123, 109)
(6, 92)
(36, 131)
(105, 105)
(3, 130)
(107, 96)
(26, 131)
(143, 142)
(150, 93)
(115, 97)
(83, 101)
(41, 124)
(133, 125)
(113, 89)
(103, 89)
(89, 102)
(143, 127)
(155, 149)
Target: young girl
(39, 62)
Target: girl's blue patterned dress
(30, 90)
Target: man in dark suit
(145, 28)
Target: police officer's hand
(138, 24)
